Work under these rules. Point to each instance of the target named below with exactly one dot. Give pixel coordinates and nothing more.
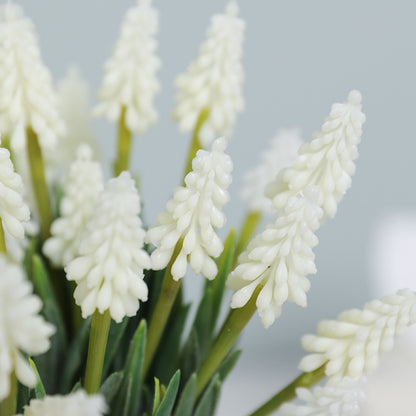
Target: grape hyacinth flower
(343, 398)
(192, 215)
(352, 344)
(22, 328)
(109, 265)
(84, 184)
(327, 161)
(130, 74)
(214, 81)
(74, 404)
(278, 259)
(13, 210)
(281, 154)
(26, 94)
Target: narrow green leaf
(23, 397)
(187, 398)
(209, 399)
(111, 385)
(128, 399)
(75, 356)
(39, 389)
(114, 337)
(203, 324)
(156, 400)
(76, 386)
(228, 364)
(168, 401)
(190, 356)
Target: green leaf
(111, 385)
(75, 356)
(23, 397)
(187, 398)
(128, 399)
(39, 389)
(228, 364)
(114, 337)
(209, 399)
(190, 357)
(156, 400)
(168, 401)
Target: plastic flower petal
(192, 215)
(22, 329)
(279, 259)
(130, 74)
(26, 93)
(281, 154)
(84, 184)
(109, 266)
(353, 343)
(327, 161)
(74, 404)
(214, 81)
(13, 210)
(343, 398)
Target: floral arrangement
(92, 316)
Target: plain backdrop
(299, 58)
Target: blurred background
(299, 58)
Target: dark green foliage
(168, 401)
(187, 398)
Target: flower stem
(39, 182)
(100, 325)
(9, 404)
(236, 321)
(195, 143)
(124, 145)
(162, 310)
(3, 248)
(248, 228)
(288, 393)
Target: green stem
(100, 325)
(251, 221)
(124, 145)
(9, 404)
(161, 312)
(3, 248)
(288, 393)
(236, 321)
(40, 187)
(195, 143)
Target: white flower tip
(84, 152)
(219, 144)
(311, 193)
(354, 97)
(232, 9)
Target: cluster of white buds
(353, 343)
(110, 260)
(192, 215)
(26, 94)
(327, 161)
(344, 398)
(74, 404)
(281, 154)
(130, 74)
(21, 327)
(13, 210)
(214, 81)
(84, 184)
(279, 259)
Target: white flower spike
(130, 74)
(21, 327)
(344, 398)
(74, 404)
(26, 93)
(353, 344)
(279, 259)
(84, 184)
(110, 262)
(281, 154)
(327, 161)
(214, 81)
(13, 210)
(192, 215)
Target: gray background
(299, 58)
